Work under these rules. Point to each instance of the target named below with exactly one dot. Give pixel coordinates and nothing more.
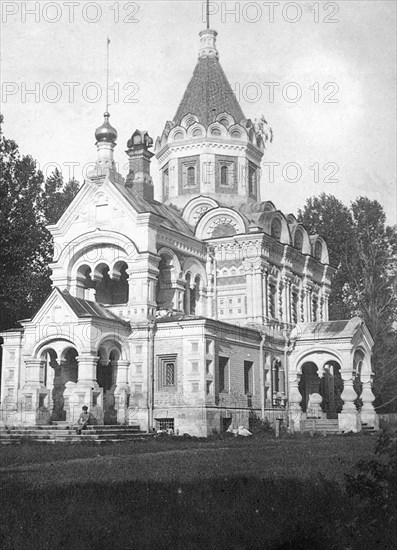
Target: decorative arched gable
(197, 207)
(224, 222)
(319, 249)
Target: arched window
(191, 176)
(252, 182)
(236, 134)
(119, 293)
(223, 230)
(215, 132)
(224, 121)
(187, 293)
(298, 239)
(224, 175)
(178, 135)
(318, 250)
(197, 132)
(104, 286)
(166, 184)
(276, 229)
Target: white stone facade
(189, 304)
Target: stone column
(31, 391)
(258, 294)
(348, 419)
(87, 369)
(325, 306)
(249, 284)
(209, 268)
(265, 295)
(295, 398)
(286, 301)
(368, 414)
(279, 301)
(269, 299)
(301, 307)
(86, 391)
(122, 391)
(307, 307)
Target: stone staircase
(61, 432)
(321, 425)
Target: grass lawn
(232, 493)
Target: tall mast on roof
(107, 74)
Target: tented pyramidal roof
(209, 94)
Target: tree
(57, 196)
(364, 250)
(27, 204)
(372, 291)
(329, 217)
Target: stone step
(322, 425)
(64, 433)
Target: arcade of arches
(62, 375)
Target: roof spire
(107, 74)
(208, 14)
(106, 132)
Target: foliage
(263, 129)
(364, 251)
(257, 425)
(329, 217)
(372, 485)
(27, 204)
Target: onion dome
(106, 132)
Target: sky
(322, 73)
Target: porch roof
(328, 329)
(86, 308)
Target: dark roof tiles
(208, 94)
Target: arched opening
(252, 181)
(298, 240)
(223, 230)
(275, 230)
(107, 379)
(331, 389)
(318, 250)
(224, 175)
(85, 286)
(309, 383)
(186, 305)
(56, 373)
(191, 176)
(195, 295)
(119, 284)
(103, 287)
(164, 292)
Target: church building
(190, 304)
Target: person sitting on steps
(84, 420)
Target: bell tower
(209, 147)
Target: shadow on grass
(234, 514)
